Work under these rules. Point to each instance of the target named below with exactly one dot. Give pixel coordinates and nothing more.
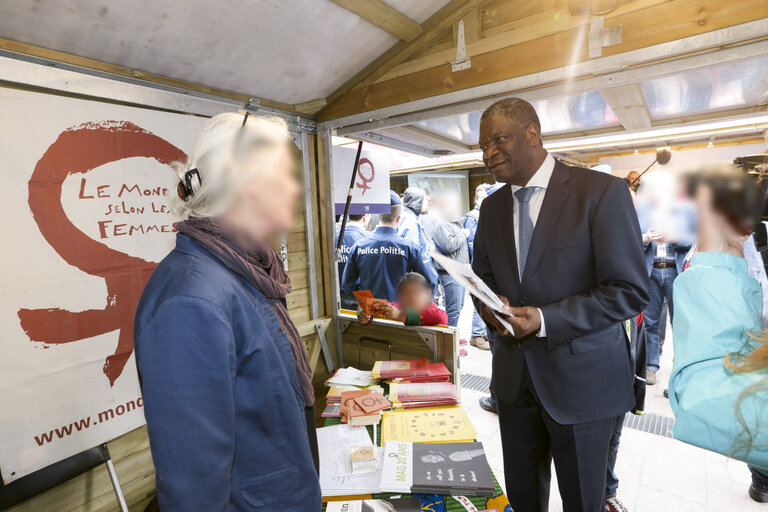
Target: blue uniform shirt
(379, 261)
(352, 234)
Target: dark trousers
(661, 288)
(611, 480)
(453, 293)
(530, 439)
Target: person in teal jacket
(719, 383)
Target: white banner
(84, 222)
(370, 192)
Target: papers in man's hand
(335, 444)
(463, 273)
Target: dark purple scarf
(262, 267)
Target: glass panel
(462, 127)
(730, 86)
(570, 113)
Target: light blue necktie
(525, 225)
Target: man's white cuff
(543, 331)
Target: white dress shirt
(540, 180)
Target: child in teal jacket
(717, 307)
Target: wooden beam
(514, 32)
(431, 30)
(383, 16)
(75, 60)
(641, 28)
(310, 107)
(473, 29)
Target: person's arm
(452, 238)
(424, 268)
(470, 224)
(351, 273)
(186, 361)
(431, 315)
(622, 278)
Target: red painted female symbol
(81, 149)
(366, 172)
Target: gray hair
(516, 109)
(214, 155)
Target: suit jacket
(586, 271)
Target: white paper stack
(350, 376)
(335, 444)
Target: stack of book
(333, 398)
(362, 407)
(403, 369)
(437, 373)
(410, 395)
(436, 468)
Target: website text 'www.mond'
(87, 422)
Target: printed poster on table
(370, 192)
(84, 222)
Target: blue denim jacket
(716, 305)
(224, 410)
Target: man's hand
(488, 314)
(525, 320)
(363, 318)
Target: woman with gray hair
(225, 377)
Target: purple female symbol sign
(366, 173)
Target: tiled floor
(657, 474)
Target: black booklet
(380, 505)
(436, 468)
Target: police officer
(355, 229)
(378, 261)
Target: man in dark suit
(563, 245)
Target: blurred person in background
(479, 336)
(415, 203)
(450, 239)
(378, 261)
(226, 380)
(719, 383)
(356, 228)
(668, 224)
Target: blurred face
(268, 198)
(509, 149)
(426, 204)
(480, 194)
(414, 295)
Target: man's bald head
(510, 139)
(515, 109)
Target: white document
(463, 273)
(335, 444)
(350, 377)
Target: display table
(498, 501)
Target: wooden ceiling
(512, 38)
